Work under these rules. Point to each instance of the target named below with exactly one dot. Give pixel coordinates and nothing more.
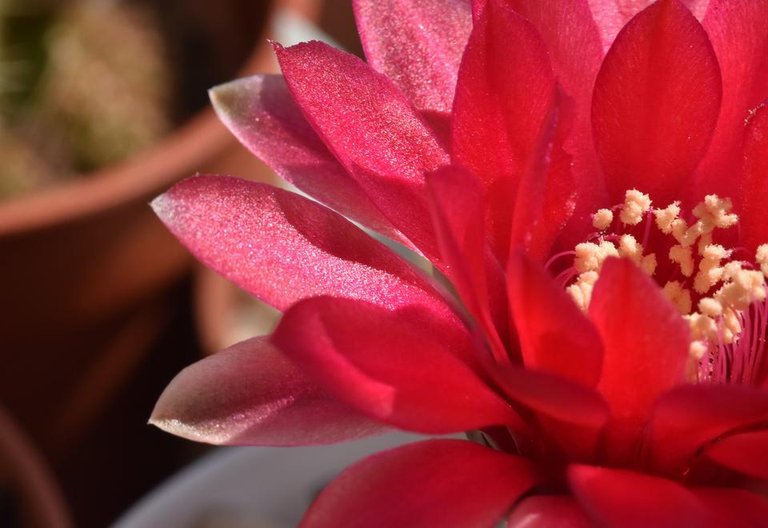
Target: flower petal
(743, 452)
(646, 344)
(457, 213)
(616, 497)
(547, 511)
(261, 113)
(656, 102)
(691, 416)
(499, 109)
(739, 35)
(403, 368)
(251, 394)
(754, 191)
(612, 15)
(554, 335)
(416, 44)
(735, 507)
(418, 485)
(281, 247)
(371, 128)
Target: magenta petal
(416, 44)
(689, 417)
(656, 102)
(738, 31)
(554, 335)
(547, 512)
(621, 498)
(251, 394)
(371, 128)
(282, 247)
(445, 483)
(754, 191)
(403, 368)
(261, 113)
(499, 110)
(745, 452)
(646, 344)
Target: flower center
(722, 298)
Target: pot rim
(181, 151)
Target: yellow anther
(684, 257)
(636, 204)
(665, 217)
(678, 296)
(702, 327)
(648, 264)
(602, 219)
(697, 350)
(710, 271)
(714, 211)
(581, 290)
(710, 307)
(629, 248)
(761, 257)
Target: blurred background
(103, 106)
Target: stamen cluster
(721, 298)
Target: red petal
(416, 44)
(554, 335)
(739, 35)
(261, 113)
(499, 109)
(281, 247)
(620, 498)
(612, 15)
(735, 507)
(573, 41)
(548, 511)
(656, 102)
(743, 452)
(251, 394)
(646, 344)
(573, 415)
(692, 416)
(446, 483)
(754, 191)
(457, 213)
(371, 128)
(402, 368)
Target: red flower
(603, 391)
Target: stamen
(636, 204)
(602, 219)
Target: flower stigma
(722, 298)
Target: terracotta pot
(32, 497)
(224, 314)
(84, 265)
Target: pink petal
(612, 15)
(621, 498)
(646, 345)
(416, 44)
(457, 213)
(739, 35)
(548, 511)
(735, 507)
(403, 368)
(371, 128)
(499, 110)
(754, 191)
(251, 394)
(282, 247)
(554, 335)
(692, 416)
(261, 113)
(656, 102)
(745, 452)
(445, 483)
